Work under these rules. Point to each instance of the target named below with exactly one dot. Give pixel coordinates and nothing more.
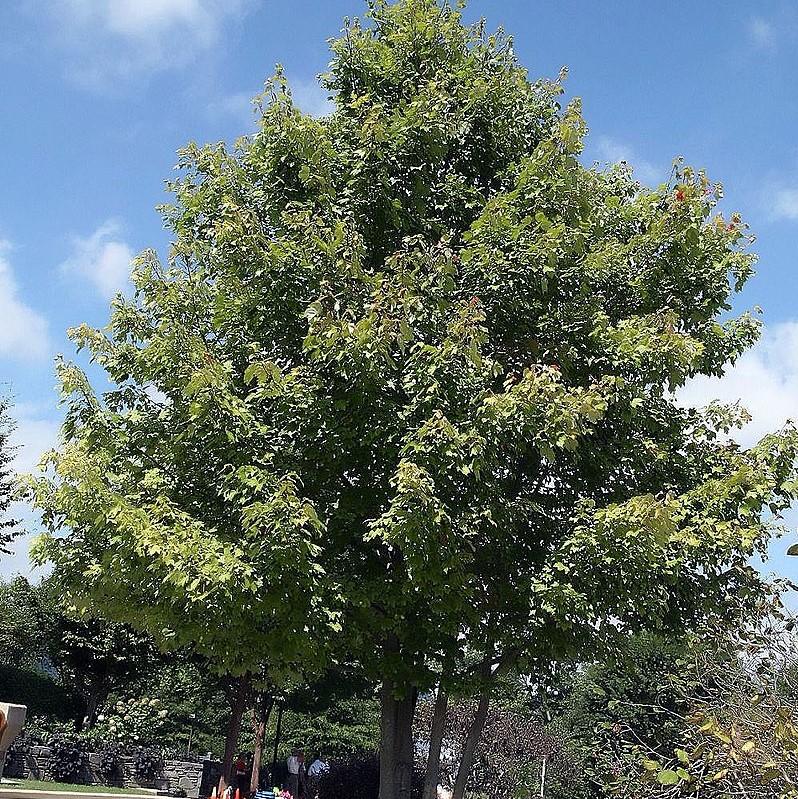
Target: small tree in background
(27, 622)
(405, 391)
(7, 524)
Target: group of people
(303, 782)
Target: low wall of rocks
(34, 763)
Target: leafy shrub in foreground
(111, 761)
(68, 759)
(147, 764)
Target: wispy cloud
(764, 380)
(237, 109)
(102, 258)
(614, 151)
(23, 332)
(784, 203)
(34, 435)
(108, 41)
(762, 33)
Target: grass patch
(42, 785)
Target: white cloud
(785, 204)
(140, 18)
(33, 437)
(308, 96)
(115, 40)
(23, 332)
(762, 33)
(237, 109)
(611, 150)
(101, 258)
(764, 380)
(311, 97)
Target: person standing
(294, 764)
(241, 775)
(318, 768)
(303, 776)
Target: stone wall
(34, 763)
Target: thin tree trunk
(543, 777)
(436, 734)
(470, 746)
(396, 742)
(260, 716)
(478, 724)
(93, 702)
(277, 739)
(387, 737)
(237, 707)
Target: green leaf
(667, 777)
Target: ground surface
(20, 789)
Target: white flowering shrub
(132, 722)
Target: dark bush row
(359, 778)
(70, 760)
(41, 694)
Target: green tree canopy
(89, 656)
(405, 385)
(27, 622)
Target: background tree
(93, 655)
(174, 702)
(27, 624)
(88, 656)
(7, 524)
(336, 713)
(513, 745)
(405, 389)
(26, 671)
(602, 713)
(739, 725)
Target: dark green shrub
(147, 764)
(40, 693)
(110, 761)
(68, 759)
(42, 730)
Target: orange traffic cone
(213, 793)
(238, 794)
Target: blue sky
(96, 96)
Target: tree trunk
(543, 777)
(470, 746)
(478, 724)
(93, 701)
(260, 717)
(396, 742)
(277, 739)
(436, 734)
(237, 707)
